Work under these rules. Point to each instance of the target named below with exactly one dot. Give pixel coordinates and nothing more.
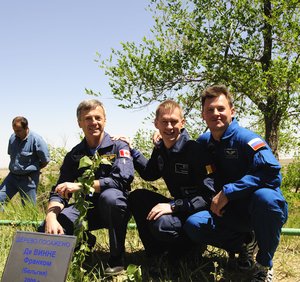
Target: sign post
(39, 257)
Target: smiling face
(217, 114)
(169, 122)
(92, 122)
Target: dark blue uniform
(249, 175)
(183, 169)
(109, 208)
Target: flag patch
(124, 153)
(256, 143)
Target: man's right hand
(123, 138)
(52, 226)
(156, 137)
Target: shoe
(115, 270)
(262, 274)
(246, 255)
(115, 266)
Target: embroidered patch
(231, 153)
(210, 168)
(124, 153)
(181, 168)
(256, 143)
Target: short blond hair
(168, 105)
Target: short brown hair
(215, 91)
(168, 104)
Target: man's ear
(183, 122)
(232, 111)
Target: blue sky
(47, 55)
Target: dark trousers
(109, 211)
(265, 212)
(160, 235)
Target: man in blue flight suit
(181, 163)
(249, 199)
(111, 185)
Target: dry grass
(3, 172)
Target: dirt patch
(3, 172)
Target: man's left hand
(159, 210)
(218, 203)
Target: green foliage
(142, 140)
(82, 205)
(50, 173)
(291, 177)
(251, 46)
(134, 273)
(211, 267)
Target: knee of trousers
(266, 199)
(112, 198)
(135, 199)
(196, 225)
(165, 228)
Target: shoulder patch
(124, 153)
(256, 143)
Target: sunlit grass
(212, 266)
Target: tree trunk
(272, 123)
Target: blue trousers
(265, 212)
(163, 234)
(26, 185)
(109, 211)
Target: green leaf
(134, 272)
(105, 161)
(85, 162)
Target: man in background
(28, 155)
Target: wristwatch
(176, 205)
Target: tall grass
(211, 266)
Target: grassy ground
(212, 265)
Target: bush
(291, 180)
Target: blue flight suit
(109, 207)
(26, 158)
(249, 176)
(183, 169)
